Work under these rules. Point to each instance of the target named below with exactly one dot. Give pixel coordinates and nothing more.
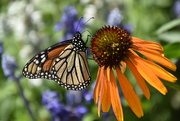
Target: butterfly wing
(71, 69)
(64, 62)
(40, 66)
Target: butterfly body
(64, 62)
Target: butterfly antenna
(78, 23)
(88, 38)
(84, 23)
(90, 35)
(89, 20)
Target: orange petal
(115, 99)
(139, 79)
(101, 91)
(129, 94)
(158, 58)
(108, 73)
(97, 86)
(159, 71)
(147, 48)
(148, 74)
(123, 66)
(106, 100)
(147, 44)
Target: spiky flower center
(110, 46)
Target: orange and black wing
(71, 69)
(40, 66)
(64, 62)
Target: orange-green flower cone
(113, 49)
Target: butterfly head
(78, 43)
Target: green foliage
(172, 50)
(168, 26)
(28, 27)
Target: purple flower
(51, 101)
(88, 96)
(70, 23)
(49, 96)
(81, 111)
(9, 66)
(176, 8)
(115, 17)
(58, 111)
(67, 19)
(1, 48)
(128, 27)
(73, 97)
(68, 115)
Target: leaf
(47, 7)
(171, 85)
(168, 26)
(172, 50)
(170, 37)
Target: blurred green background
(27, 26)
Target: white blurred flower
(35, 82)
(21, 18)
(15, 18)
(29, 9)
(85, 1)
(33, 37)
(16, 8)
(25, 52)
(90, 11)
(37, 19)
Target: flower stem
(24, 98)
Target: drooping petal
(97, 86)
(115, 99)
(159, 71)
(148, 74)
(158, 58)
(106, 100)
(139, 79)
(130, 95)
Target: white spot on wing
(42, 55)
(42, 61)
(38, 68)
(37, 62)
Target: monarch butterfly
(64, 62)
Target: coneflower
(113, 48)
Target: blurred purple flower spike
(115, 18)
(67, 19)
(50, 99)
(88, 96)
(1, 48)
(70, 23)
(176, 8)
(9, 66)
(60, 112)
(81, 111)
(73, 97)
